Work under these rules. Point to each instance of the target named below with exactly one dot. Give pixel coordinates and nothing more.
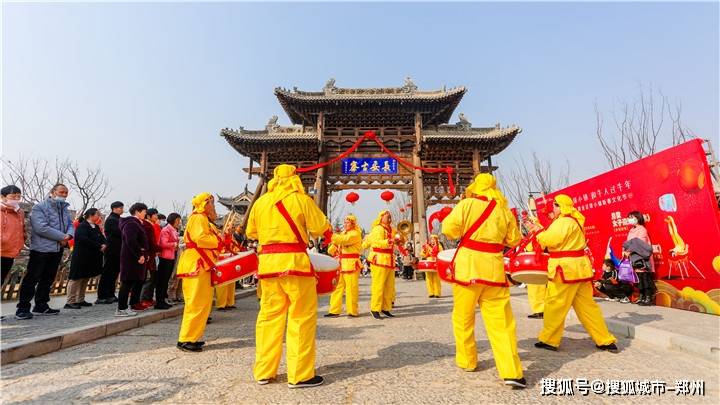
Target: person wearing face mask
(12, 232)
(638, 249)
(570, 277)
(52, 228)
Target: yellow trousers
(536, 296)
(432, 282)
(198, 295)
(348, 284)
(382, 288)
(499, 326)
(225, 295)
(558, 300)
(291, 300)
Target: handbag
(626, 272)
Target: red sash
(297, 247)
(190, 244)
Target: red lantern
(352, 197)
(387, 196)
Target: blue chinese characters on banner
(369, 166)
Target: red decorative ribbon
(370, 135)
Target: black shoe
(103, 301)
(45, 311)
(388, 314)
(353, 316)
(313, 382)
(72, 306)
(537, 315)
(221, 308)
(189, 347)
(209, 320)
(229, 307)
(113, 299)
(643, 302)
(84, 304)
(331, 315)
(518, 383)
(612, 348)
(161, 306)
(23, 314)
(376, 315)
(541, 345)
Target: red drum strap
(283, 248)
(567, 253)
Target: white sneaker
(125, 312)
(523, 285)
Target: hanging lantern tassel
(352, 197)
(387, 196)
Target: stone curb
(658, 337)
(39, 345)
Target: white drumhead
(446, 255)
(530, 276)
(322, 262)
(236, 257)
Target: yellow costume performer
(536, 295)
(280, 221)
(349, 245)
(570, 276)
(432, 280)
(486, 226)
(382, 265)
(203, 244)
(225, 296)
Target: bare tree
(399, 207)
(640, 127)
(335, 210)
(180, 207)
(35, 176)
(91, 184)
(541, 177)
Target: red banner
(673, 190)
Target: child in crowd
(611, 285)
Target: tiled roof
(455, 132)
(271, 133)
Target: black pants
(148, 289)
(162, 279)
(130, 288)
(6, 264)
(108, 279)
(620, 290)
(39, 277)
(646, 284)
(407, 272)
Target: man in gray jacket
(52, 228)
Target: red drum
(444, 258)
(426, 265)
(233, 268)
(327, 272)
(529, 268)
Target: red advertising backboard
(673, 190)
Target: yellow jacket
(472, 266)
(349, 243)
(381, 238)
(268, 226)
(565, 234)
(204, 234)
(427, 252)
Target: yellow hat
(567, 208)
(377, 220)
(200, 201)
(485, 185)
(285, 181)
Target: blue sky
(144, 89)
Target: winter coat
(51, 221)
(113, 236)
(153, 248)
(168, 242)
(639, 250)
(12, 232)
(87, 258)
(134, 245)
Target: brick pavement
(408, 359)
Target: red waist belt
(378, 250)
(484, 246)
(283, 248)
(567, 253)
(350, 256)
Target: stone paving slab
(405, 360)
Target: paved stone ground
(408, 359)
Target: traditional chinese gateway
(374, 138)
